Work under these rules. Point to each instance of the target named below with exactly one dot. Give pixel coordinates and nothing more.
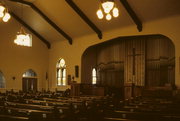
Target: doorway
(29, 81)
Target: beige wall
(72, 53)
(15, 60)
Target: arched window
(29, 73)
(61, 72)
(94, 76)
(2, 80)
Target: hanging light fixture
(22, 38)
(4, 15)
(107, 7)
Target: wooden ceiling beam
(45, 18)
(84, 17)
(30, 29)
(132, 14)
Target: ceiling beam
(132, 14)
(84, 17)
(30, 29)
(45, 18)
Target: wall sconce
(13, 77)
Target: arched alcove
(147, 61)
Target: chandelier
(4, 15)
(23, 39)
(107, 8)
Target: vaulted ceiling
(59, 20)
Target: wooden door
(29, 84)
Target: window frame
(94, 76)
(3, 79)
(61, 73)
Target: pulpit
(131, 90)
(75, 89)
(128, 90)
(90, 89)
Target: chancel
(82, 67)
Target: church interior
(93, 60)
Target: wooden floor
(53, 107)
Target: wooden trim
(30, 29)
(111, 62)
(132, 14)
(179, 65)
(46, 19)
(84, 17)
(35, 77)
(158, 59)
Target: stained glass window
(94, 76)
(61, 72)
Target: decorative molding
(111, 62)
(160, 58)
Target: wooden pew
(146, 109)
(23, 112)
(29, 106)
(12, 118)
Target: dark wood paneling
(154, 64)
